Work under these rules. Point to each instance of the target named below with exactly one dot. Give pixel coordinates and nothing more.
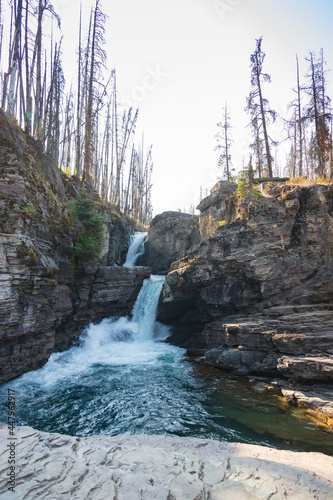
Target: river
(124, 378)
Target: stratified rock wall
(257, 295)
(35, 220)
(45, 302)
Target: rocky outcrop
(171, 236)
(217, 209)
(257, 296)
(293, 341)
(278, 254)
(45, 300)
(159, 467)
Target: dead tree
(257, 106)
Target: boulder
(171, 236)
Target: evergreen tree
(247, 186)
(90, 241)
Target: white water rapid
(136, 248)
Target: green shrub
(29, 208)
(92, 228)
(247, 184)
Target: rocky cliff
(171, 236)
(45, 299)
(256, 297)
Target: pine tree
(247, 186)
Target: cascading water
(123, 379)
(136, 248)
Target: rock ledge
(159, 467)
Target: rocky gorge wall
(256, 296)
(46, 299)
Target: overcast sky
(180, 60)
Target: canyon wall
(256, 296)
(46, 298)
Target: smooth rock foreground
(52, 466)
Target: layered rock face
(171, 236)
(45, 301)
(257, 295)
(99, 292)
(161, 468)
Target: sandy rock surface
(52, 466)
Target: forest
(83, 130)
(87, 134)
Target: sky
(179, 61)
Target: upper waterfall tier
(136, 248)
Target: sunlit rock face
(171, 236)
(217, 208)
(258, 293)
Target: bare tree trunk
(7, 75)
(78, 162)
(130, 175)
(316, 117)
(15, 58)
(300, 128)
(37, 113)
(118, 166)
(88, 146)
(263, 118)
(28, 114)
(226, 141)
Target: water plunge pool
(124, 379)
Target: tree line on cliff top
(85, 131)
(88, 134)
(308, 126)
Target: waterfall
(145, 307)
(136, 248)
